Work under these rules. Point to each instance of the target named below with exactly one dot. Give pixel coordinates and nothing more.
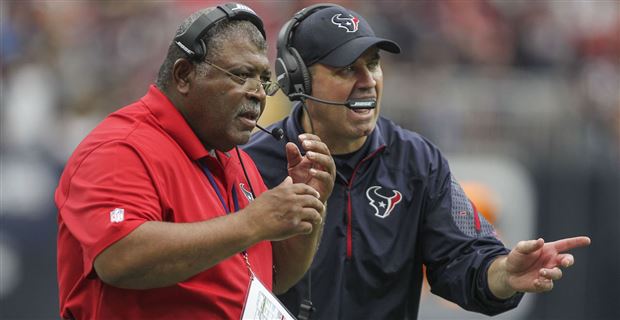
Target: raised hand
(316, 168)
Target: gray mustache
(250, 107)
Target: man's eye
(243, 75)
(346, 70)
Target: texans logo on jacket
(385, 203)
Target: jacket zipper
(350, 204)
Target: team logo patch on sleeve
(117, 215)
(383, 205)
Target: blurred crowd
(537, 81)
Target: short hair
(223, 31)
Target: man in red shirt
(159, 217)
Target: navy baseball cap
(336, 36)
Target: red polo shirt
(141, 164)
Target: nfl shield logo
(117, 215)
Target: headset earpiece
(291, 71)
(201, 49)
(303, 76)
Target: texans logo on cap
(349, 23)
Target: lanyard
(209, 175)
(217, 189)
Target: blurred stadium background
(521, 95)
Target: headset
(191, 41)
(292, 74)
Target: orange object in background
(484, 199)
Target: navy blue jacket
(400, 209)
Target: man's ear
(183, 73)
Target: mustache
(250, 108)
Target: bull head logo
(385, 204)
(349, 23)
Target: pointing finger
(571, 243)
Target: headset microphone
(351, 103)
(276, 133)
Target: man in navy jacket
(395, 205)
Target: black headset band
(286, 33)
(189, 41)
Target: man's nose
(365, 78)
(257, 90)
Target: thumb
(530, 246)
(293, 155)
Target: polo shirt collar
(173, 123)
